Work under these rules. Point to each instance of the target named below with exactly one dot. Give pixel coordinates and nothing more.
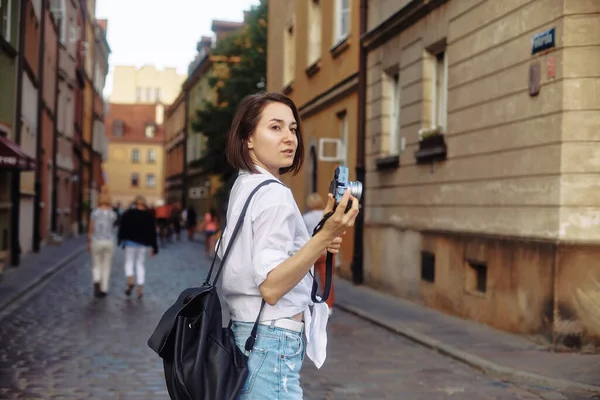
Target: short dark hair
(244, 124)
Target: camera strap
(328, 268)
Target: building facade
(77, 199)
(22, 233)
(145, 85)
(201, 187)
(135, 162)
(491, 112)
(99, 140)
(66, 13)
(47, 123)
(42, 88)
(186, 183)
(9, 136)
(313, 59)
(88, 183)
(175, 134)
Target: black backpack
(200, 358)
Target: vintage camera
(340, 183)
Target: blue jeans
(274, 363)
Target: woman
(312, 217)
(274, 253)
(137, 232)
(101, 243)
(210, 228)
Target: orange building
(313, 58)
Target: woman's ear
(249, 143)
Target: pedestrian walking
(101, 243)
(175, 219)
(191, 222)
(137, 232)
(210, 227)
(273, 255)
(162, 219)
(312, 217)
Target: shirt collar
(261, 170)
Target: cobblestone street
(61, 343)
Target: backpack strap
(250, 342)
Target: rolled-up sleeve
(273, 232)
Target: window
(135, 156)
(342, 20)
(151, 156)
(117, 127)
(439, 92)
(37, 8)
(58, 8)
(150, 181)
(135, 179)
(314, 31)
(148, 94)
(5, 17)
(476, 277)
(150, 130)
(157, 94)
(138, 94)
(427, 266)
(394, 112)
(289, 55)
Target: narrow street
(61, 343)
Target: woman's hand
(335, 245)
(336, 225)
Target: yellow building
(313, 58)
(145, 85)
(135, 163)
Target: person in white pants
(135, 254)
(101, 243)
(137, 232)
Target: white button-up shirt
(273, 230)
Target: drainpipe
(38, 146)
(184, 176)
(359, 226)
(15, 193)
(53, 221)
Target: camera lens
(356, 189)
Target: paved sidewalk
(36, 267)
(497, 353)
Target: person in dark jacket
(137, 232)
(191, 222)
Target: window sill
(431, 148)
(475, 293)
(287, 89)
(341, 46)
(312, 69)
(387, 163)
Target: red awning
(11, 156)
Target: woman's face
(273, 144)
